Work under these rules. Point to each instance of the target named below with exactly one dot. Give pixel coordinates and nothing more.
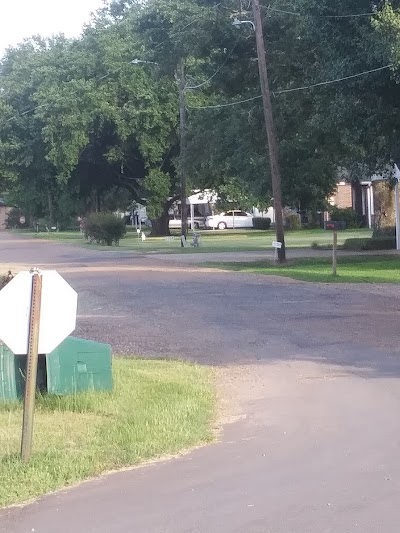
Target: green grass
(157, 408)
(213, 241)
(360, 269)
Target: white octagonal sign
(57, 315)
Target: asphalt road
(309, 385)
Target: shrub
(374, 243)
(261, 223)
(5, 279)
(388, 231)
(381, 243)
(292, 221)
(104, 228)
(347, 215)
(13, 219)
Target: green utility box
(79, 365)
(12, 374)
(11, 380)
(76, 365)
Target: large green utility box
(76, 365)
(79, 365)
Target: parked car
(176, 223)
(231, 219)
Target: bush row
(373, 243)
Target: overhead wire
(228, 104)
(329, 82)
(297, 14)
(294, 89)
(192, 87)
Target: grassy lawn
(213, 241)
(157, 408)
(375, 269)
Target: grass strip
(355, 269)
(157, 408)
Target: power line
(229, 104)
(302, 88)
(192, 87)
(297, 14)
(329, 82)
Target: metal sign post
(31, 367)
(37, 312)
(397, 211)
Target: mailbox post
(334, 226)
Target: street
(309, 389)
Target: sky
(24, 18)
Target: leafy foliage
(346, 215)
(157, 184)
(104, 228)
(292, 221)
(13, 218)
(79, 123)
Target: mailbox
(335, 225)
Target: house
(359, 196)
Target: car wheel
(196, 225)
(222, 225)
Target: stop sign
(57, 316)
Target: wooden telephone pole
(272, 144)
(182, 114)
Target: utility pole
(182, 172)
(272, 144)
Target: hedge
(373, 243)
(261, 223)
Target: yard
(213, 241)
(157, 408)
(356, 269)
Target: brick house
(359, 196)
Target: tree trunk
(160, 226)
(51, 209)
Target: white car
(231, 220)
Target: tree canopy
(83, 128)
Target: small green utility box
(79, 365)
(76, 365)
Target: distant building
(358, 196)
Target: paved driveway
(309, 381)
